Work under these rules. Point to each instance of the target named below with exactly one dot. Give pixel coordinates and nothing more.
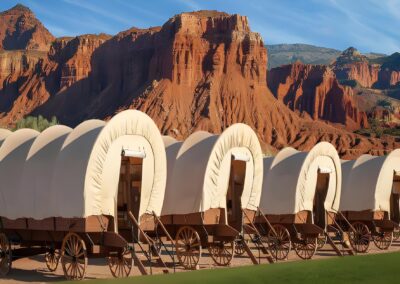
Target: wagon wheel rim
(120, 264)
(222, 252)
(5, 255)
(279, 242)
(52, 258)
(239, 246)
(321, 241)
(306, 247)
(360, 237)
(74, 257)
(396, 234)
(188, 247)
(383, 240)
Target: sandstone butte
(200, 70)
(352, 65)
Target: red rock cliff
(19, 29)
(315, 90)
(352, 65)
(383, 73)
(202, 70)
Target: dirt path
(34, 269)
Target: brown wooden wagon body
(211, 182)
(307, 184)
(98, 179)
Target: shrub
(38, 123)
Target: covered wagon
(300, 198)
(370, 199)
(75, 190)
(212, 179)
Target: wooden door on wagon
(319, 212)
(129, 189)
(234, 194)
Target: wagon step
(334, 245)
(249, 229)
(155, 254)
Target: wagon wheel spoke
(121, 264)
(5, 257)
(383, 240)
(188, 247)
(278, 241)
(360, 237)
(52, 258)
(73, 257)
(306, 247)
(222, 252)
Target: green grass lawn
(382, 268)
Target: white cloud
(191, 4)
(99, 11)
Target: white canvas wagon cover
(368, 182)
(13, 153)
(81, 178)
(3, 135)
(199, 175)
(290, 179)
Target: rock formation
(352, 65)
(200, 70)
(380, 73)
(19, 29)
(314, 89)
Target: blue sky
(369, 25)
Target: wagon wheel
(279, 242)
(52, 258)
(188, 247)
(120, 263)
(306, 247)
(321, 241)
(383, 240)
(73, 257)
(239, 246)
(396, 234)
(5, 255)
(222, 252)
(360, 238)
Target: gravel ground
(34, 269)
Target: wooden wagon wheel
(321, 241)
(52, 258)
(279, 242)
(306, 247)
(188, 247)
(360, 237)
(73, 257)
(120, 263)
(383, 240)
(5, 255)
(222, 252)
(396, 234)
(239, 246)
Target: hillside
(282, 54)
(201, 70)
